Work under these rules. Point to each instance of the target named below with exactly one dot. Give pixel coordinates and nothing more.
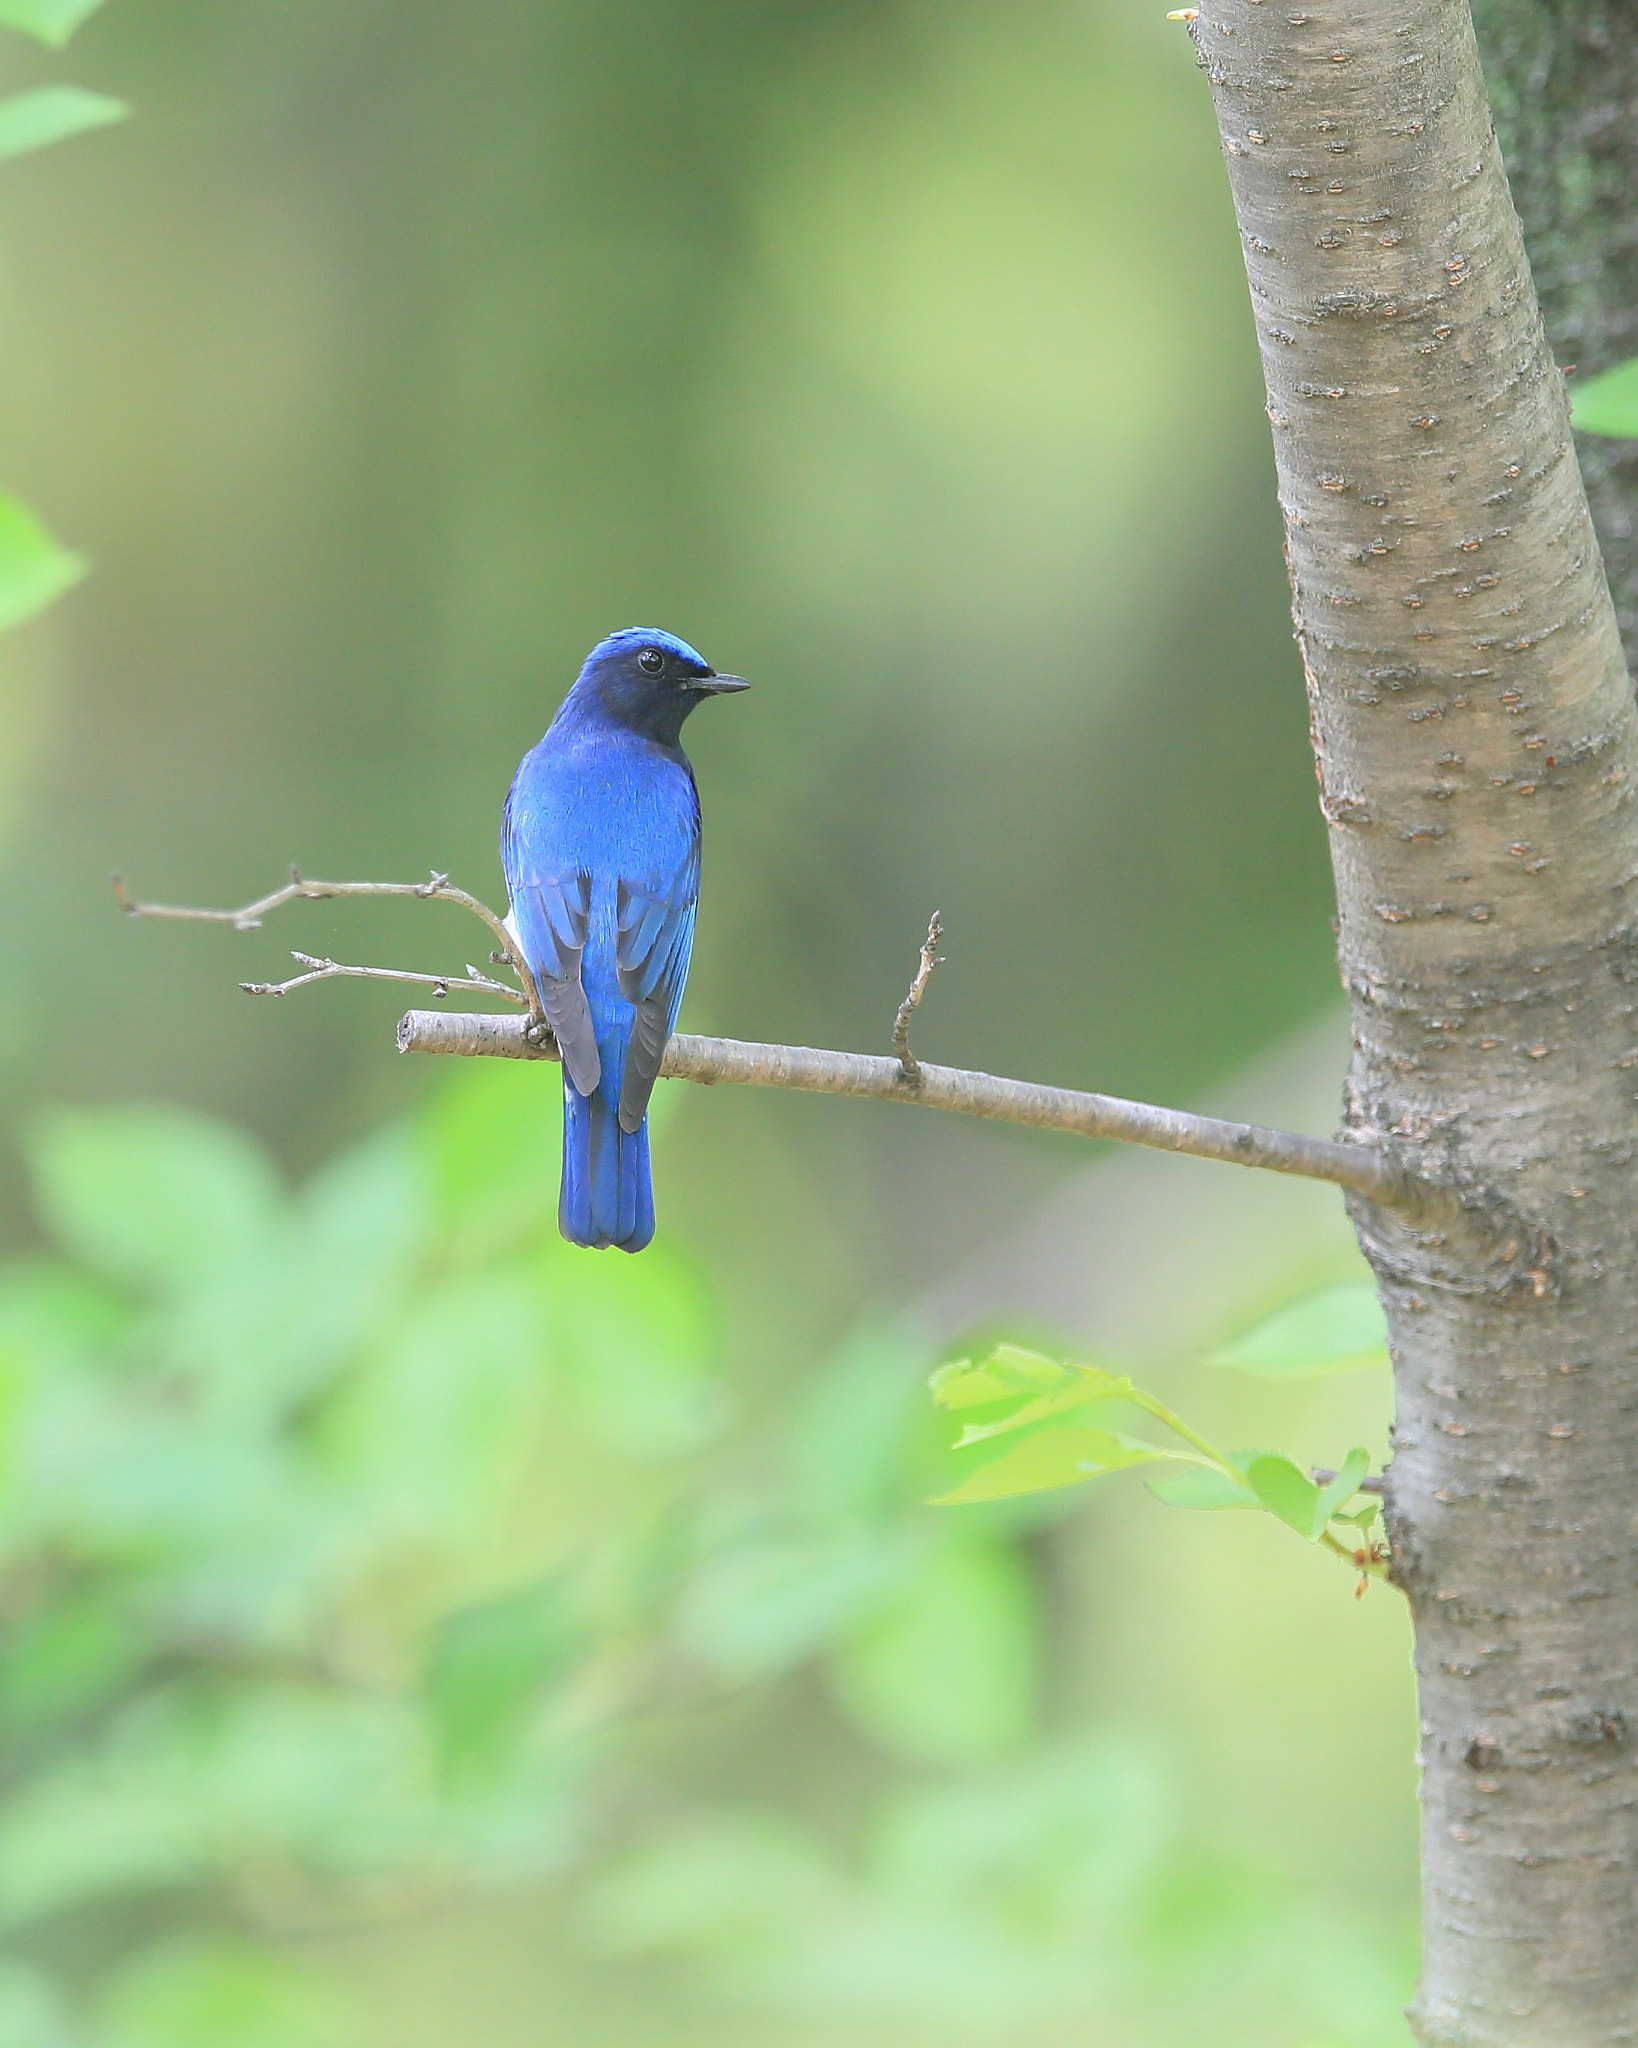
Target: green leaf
(1608, 404)
(53, 1316)
(195, 1780)
(490, 1134)
(635, 1344)
(48, 21)
(69, 1657)
(1091, 1384)
(433, 1421)
(1202, 1486)
(1338, 1329)
(1008, 1372)
(947, 1671)
(1286, 1493)
(488, 1668)
(261, 1334)
(32, 2014)
(35, 569)
(152, 1196)
(51, 113)
(1061, 1455)
(1361, 1517)
(1336, 1493)
(773, 1599)
(1043, 1386)
(203, 1991)
(863, 1442)
(1058, 1848)
(726, 1881)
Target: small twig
(325, 970)
(1322, 1475)
(909, 1066)
(249, 916)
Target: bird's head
(651, 680)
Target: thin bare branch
(249, 916)
(901, 1079)
(327, 970)
(709, 1060)
(909, 1066)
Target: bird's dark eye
(651, 661)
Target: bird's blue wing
(655, 936)
(550, 914)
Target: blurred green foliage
(1608, 403)
(1334, 1329)
(35, 569)
(51, 21)
(51, 114)
(358, 1544)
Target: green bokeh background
(898, 356)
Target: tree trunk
(1563, 78)
(1477, 749)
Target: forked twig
(249, 916)
(325, 970)
(930, 958)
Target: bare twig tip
(930, 958)
(248, 918)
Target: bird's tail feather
(607, 1196)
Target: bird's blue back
(601, 846)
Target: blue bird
(601, 846)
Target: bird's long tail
(607, 1196)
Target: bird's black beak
(714, 685)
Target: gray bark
(1477, 749)
(874, 1078)
(1563, 78)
